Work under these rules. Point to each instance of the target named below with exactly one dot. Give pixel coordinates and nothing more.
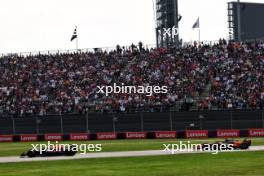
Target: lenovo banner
(196, 134)
(6, 138)
(165, 134)
(136, 135)
(228, 133)
(79, 137)
(256, 132)
(53, 137)
(106, 136)
(28, 137)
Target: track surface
(13, 159)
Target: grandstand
(213, 77)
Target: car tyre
(244, 146)
(31, 154)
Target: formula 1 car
(67, 151)
(239, 144)
(228, 144)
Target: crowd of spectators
(236, 73)
(67, 83)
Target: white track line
(13, 159)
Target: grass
(15, 149)
(232, 164)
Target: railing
(69, 51)
(87, 50)
(210, 43)
(108, 49)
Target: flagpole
(76, 40)
(195, 26)
(199, 35)
(238, 21)
(77, 43)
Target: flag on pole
(74, 35)
(196, 24)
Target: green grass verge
(231, 164)
(15, 149)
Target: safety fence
(133, 122)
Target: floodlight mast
(167, 19)
(238, 21)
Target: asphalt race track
(13, 159)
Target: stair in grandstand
(203, 96)
(177, 105)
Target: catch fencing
(133, 122)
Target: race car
(55, 151)
(228, 144)
(239, 144)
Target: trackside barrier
(136, 135)
(53, 137)
(220, 133)
(106, 136)
(256, 132)
(28, 137)
(196, 133)
(227, 133)
(132, 122)
(79, 136)
(6, 138)
(165, 134)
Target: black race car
(67, 151)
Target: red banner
(136, 135)
(6, 138)
(106, 135)
(28, 137)
(53, 137)
(196, 134)
(165, 134)
(228, 133)
(79, 137)
(256, 132)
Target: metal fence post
(114, 123)
(114, 129)
(37, 125)
(170, 121)
(142, 121)
(87, 120)
(231, 120)
(201, 124)
(262, 114)
(200, 117)
(14, 127)
(61, 123)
